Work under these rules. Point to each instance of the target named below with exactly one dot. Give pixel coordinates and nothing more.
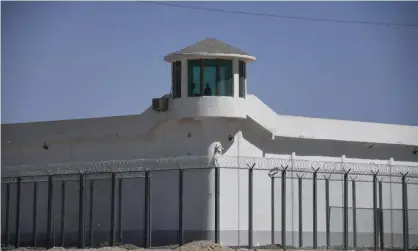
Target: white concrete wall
(234, 210)
(99, 142)
(329, 129)
(207, 106)
(174, 138)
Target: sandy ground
(192, 246)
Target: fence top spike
(251, 166)
(315, 170)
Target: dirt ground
(192, 246)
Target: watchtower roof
(209, 47)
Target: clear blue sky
(67, 60)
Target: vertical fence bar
(272, 210)
(346, 210)
(113, 211)
(181, 229)
(315, 210)
(148, 194)
(353, 183)
(381, 232)
(327, 213)
(217, 205)
(250, 206)
(120, 211)
(6, 241)
(300, 212)
(63, 184)
(81, 228)
(34, 213)
(284, 207)
(50, 203)
(18, 201)
(405, 213)
(91, 216)
(375, 232)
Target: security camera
(230, 138)
(45, 146)
(415, 151)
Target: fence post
(353, 183)
(300, 211)
(91, 225)
(217, 205)
(327, 208)
(148, 215)
(382, 232)
(405, 212)
(250, 205)
(272, 209)
(81, 227)
(18, 200)
(6, 241)
(272, 173)
(346, 208)
(390, 165)
(50, 203)
(284, 206)
(113, 211)
(375, 231)
(120, 211)
(181, 229)
(62, 212)
(34, 214)
(315, 209)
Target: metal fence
(85, 176)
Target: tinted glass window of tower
(176, 79)
(242, 77)
(210, 77)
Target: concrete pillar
(184, 78)
(342, 159)
(235, 71)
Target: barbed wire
(325, 167)
(108, 166)
(137, 167)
